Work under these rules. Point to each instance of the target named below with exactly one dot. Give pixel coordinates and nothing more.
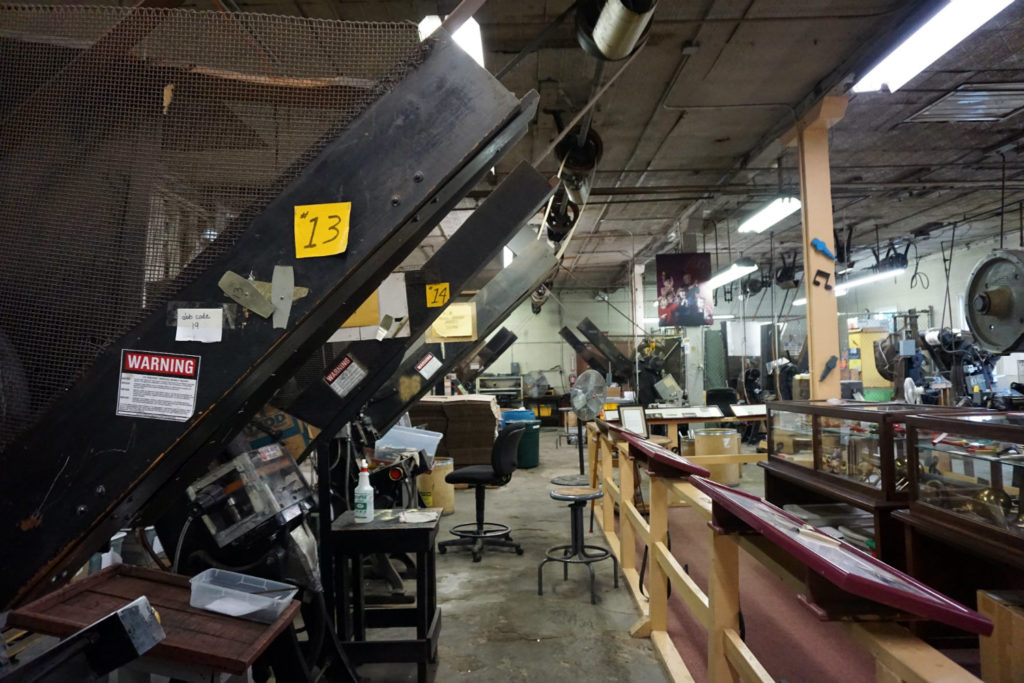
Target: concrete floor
(494, 625)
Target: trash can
(434, 490)
(719, 442)
(528, 455)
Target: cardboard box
(294, 434)
(614, 392)
(469, 424)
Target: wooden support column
(724, 602)
(811, 137)
(607, 484)
(658, 584)
(627, 535)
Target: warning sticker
(157, 386)
(345, 376)
(428, 365)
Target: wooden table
(675, 422)
(197, 641)
(387, 534)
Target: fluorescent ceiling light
(843, 287)
(866, 279)
(954, 22)
(803, 301)
(506, 257)
(725, 316)
(771, 214)
(734, 272)
(467, 36)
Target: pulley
(613, 29)
(995, 301)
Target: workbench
(353, 541)
(199, 644)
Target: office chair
(503, 463)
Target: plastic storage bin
(528, 455)
(407, 437)
(509, 416)
(240, 595)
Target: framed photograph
(683, 298)
(632, 419)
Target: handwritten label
(438, 294)
(200, 324)
(321, 229)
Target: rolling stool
(576, 552)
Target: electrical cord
(918, 278)
(181, 542)
(144, 540)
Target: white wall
(897, 294)
(539, 346)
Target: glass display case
(843, 451)
(854, 444)
(969, 470)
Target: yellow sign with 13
(321, 229)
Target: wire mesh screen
(134, 146)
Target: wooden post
(658, 584)
(811, 136)
(1002, 653)
(627, 534)
(607, 504)
(724, 601)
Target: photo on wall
(683, 298)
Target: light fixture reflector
(467, 36)
(770, 215)
(950, 25)
(741, 267)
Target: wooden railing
(899, 656)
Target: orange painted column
(811, 137)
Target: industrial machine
(483, 356)
(134, 350)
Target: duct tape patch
(157, 386)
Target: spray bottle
(364, 495)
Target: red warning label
(161, 364)
(158, 386)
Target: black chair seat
(475, 474)
(480, 533)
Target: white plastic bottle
(364, 495)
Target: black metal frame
(576, 552)
(494, 303)
(622, 367)
(90, 472)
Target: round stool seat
(576, 493)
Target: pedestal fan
(586, 399)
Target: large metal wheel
(995, 301)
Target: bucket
(435, 491)
(528, 455)
(719, 442)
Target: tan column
(811, 137)
(724, 601)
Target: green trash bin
(528, 455)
